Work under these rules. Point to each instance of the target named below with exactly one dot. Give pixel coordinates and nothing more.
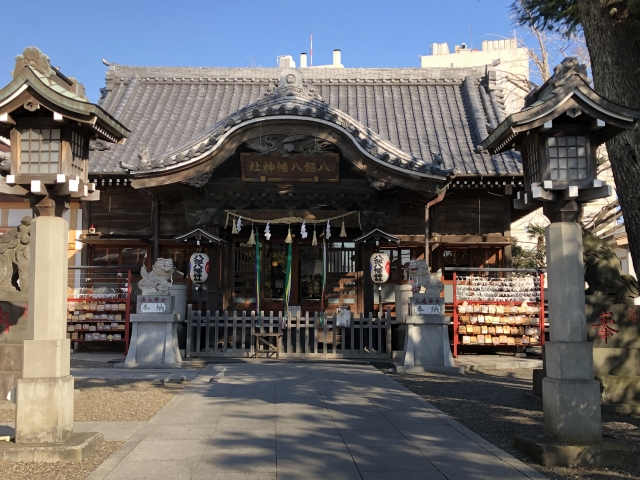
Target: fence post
(187, 350)
(198, 331)
(207, 330)
(371, 320)
(335, 339)
(306, 331)
(388, 333)
(325, 344)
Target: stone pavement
(305, 421)
(495, 362)
(134, 374)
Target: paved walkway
(305, 421)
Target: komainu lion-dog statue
(419, 274)
(158, 280)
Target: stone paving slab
(495, 362)
(292, 421)
(149, 374)
(112, 431)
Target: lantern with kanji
(380, 267)
(199, 267)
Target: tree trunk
(615, 62)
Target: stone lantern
(558, 134)
(49, 122)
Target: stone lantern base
(77, 448)
(608, 453)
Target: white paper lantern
(199, 267)
(380, 267)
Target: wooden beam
(16, 190)
(588, 195)
(539, 193)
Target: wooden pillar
(155, 208)
(228, 267)
(506, 209)
(367, 283)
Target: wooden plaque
(299, 168)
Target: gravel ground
(112, 400)
(493, 405)
(96, 400)
(117, 400)
(58, 471)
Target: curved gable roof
(425, 116)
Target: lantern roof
(35, 79)
(378, 235)
(566, 94)
(202, 235)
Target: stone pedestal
(154, 341)
(44, 394)
(427, 345)
(571, 395)
(402, 296)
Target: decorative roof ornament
(569, 66)
(199, 180)
(144, 157)
(290, 145)
(33, 57)
(292, 84)
(99, 146)
(378, 183)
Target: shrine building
(345, 150)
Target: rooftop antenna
(471, 39)
(311, 51)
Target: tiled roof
(433, 115)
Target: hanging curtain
(322, 317)
(257, 275)
(287, 285)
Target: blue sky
(77, 34)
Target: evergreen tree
(612, 32)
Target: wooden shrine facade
(301, 151)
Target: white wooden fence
(224, 335)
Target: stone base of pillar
(44, 410)
(608, 453)
(572, 411)
(427, 345)
(77, 448)
(154, 341)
